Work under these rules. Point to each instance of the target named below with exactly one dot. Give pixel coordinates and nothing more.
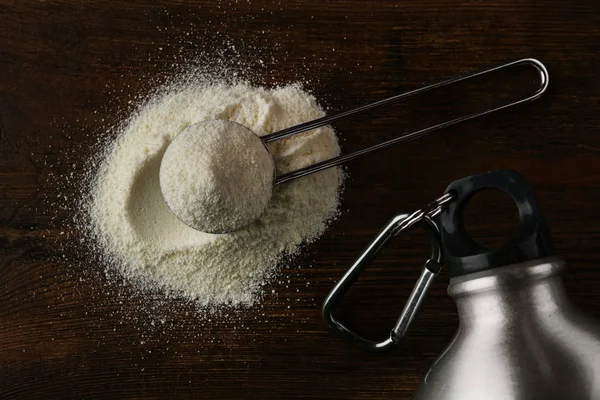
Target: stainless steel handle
(332, 162)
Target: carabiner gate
(432, 267)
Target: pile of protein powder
(137, 233)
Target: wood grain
(70, 68)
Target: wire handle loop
(544, 80)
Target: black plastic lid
(531, 241)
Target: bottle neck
(510, 294)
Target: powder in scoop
(138, 233)
(217, 176)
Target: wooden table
(70, 69)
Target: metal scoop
(335, 161)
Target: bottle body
(519, 338)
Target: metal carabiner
(431, 269)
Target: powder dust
(138, 234)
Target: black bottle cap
(531, 241)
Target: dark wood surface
(67, 68)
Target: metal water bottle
(520, 338)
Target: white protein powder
(137, 231)
(217, 176)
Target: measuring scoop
(335, 161)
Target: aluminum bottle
(520, 338)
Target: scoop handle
(335, 161)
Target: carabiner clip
(432, 267)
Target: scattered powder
(217, 176)
(139, 234)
